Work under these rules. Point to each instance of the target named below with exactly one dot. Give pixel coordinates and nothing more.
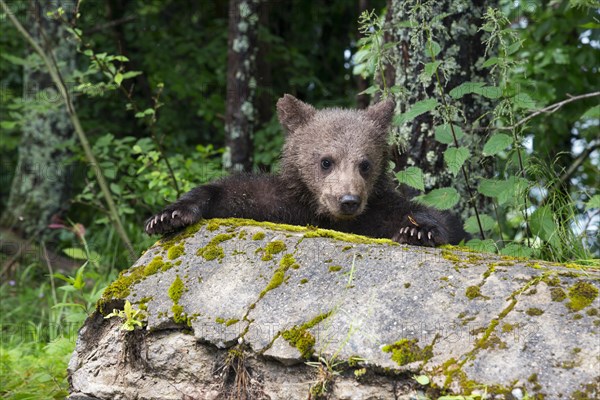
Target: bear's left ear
(382, 113)
(293, 113)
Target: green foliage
(411, 176)
(133, 318)
(543, 207)
(33, 370)
(138, 177)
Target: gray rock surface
(239, 309)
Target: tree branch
(550, 109)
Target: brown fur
(333, 174)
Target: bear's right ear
(382, 112)
(293, 113)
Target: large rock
(239, 309)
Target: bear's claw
(415, 236)
(170, 220)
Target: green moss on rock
(406, 351)
(473, 292)
(175, 252)
(301, 339)
(176, 289)
(274, 247)
(154, 265)
(258, 236)
(534, 311)
(581, 295)
(212, 250)
(335, 268)
(557, 294)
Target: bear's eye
(364, 166)
(326, 163)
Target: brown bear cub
(334, 175)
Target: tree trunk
(240, 112)
(39, 188)
(461, 49)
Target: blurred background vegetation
(149, 80)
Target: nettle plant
(530, 214)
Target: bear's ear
(382, 113)
(293, 113)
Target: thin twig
(110, 24)
(550, 109)
(58, 81)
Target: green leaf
(420, 107)
(590, 25)
(443, 133)
(487, 223)
(455, 157)
(17, 60)
(75, 253)
(496, 143)
(8, 125)
(504, 190)
(542, 224)
(413, 177)
(422, 379)
(121, 58)
(116, 189)
(524, 101)
(465, 88)
(491, 92)
(131, 74)
(486, 246)
(118, 78)
(592, 113)
(513, 48)
(433, 48)
(593, 202)
(370, 90)
(441, 199)
(490, 61)
(516, 250)
(430, 68)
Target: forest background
(124, 105)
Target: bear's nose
(349, 203)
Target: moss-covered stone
(153, 266)
(473, 292)
(301, 339)
(258, 236)
(557, 294)
(176, 289)
(581, 295)
(286, 262)
(450, 256)
(274, 247)
(534, 311)
(406, 351)
(212, 250)
(175, 252)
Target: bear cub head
(334, 158)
